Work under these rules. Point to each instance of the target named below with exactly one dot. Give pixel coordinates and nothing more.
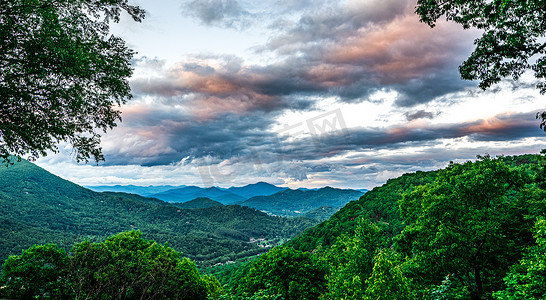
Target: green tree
(39, 272)
(469, 224)
(387, 281)
(284, 273)
(213, 286)
(126, 266)
(512, 39)
(61, 74)
(527, 280)
(351, 261)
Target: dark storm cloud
(352, 50)
(377, 45)
(231, 86)
(347, 52)
(163, 136)
(420, 114)
(329, 21)
(501, 127)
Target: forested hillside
(470, 231)
(198, 203)
(380, 205)
(38, 207)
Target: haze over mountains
(183, 193)
(134, 189)
(274, 200)
(291, 203)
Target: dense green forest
(475, 230)
(39, 208)
(470, 231)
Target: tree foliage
(61, 74)
(387, 281)
(463, 229)
(512, 40)
(527, 280)
(125, 266)
(379, 205)
(351, 261)
(285, 273)
(466, 233)
(470, 224)
(38, 208)
(40, 271)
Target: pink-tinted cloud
(401, 50)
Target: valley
(39, 207)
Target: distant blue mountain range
(257, 189)
(134, 189)
(293, 203)
(263, 196)
(185, 193)
(188, 193)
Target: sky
(300, 93)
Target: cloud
(202, 111)
(161, 134)
(348, 51)
(215, 114)
(225, 13)
(334, 21)
(420, 114)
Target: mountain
(380, 204)
(188, 193)
(306, 189)
(321, 214)
(298, 202)
(257, 189)
(39, 207)
(134, 189)
(198, 203)
(184, 193)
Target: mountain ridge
(299, 202)
(39, 207)
(188, 193)
(200, 202)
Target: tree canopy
(61, 74)
(471, 224)
(284, 273)
(512, 40)
(527, 279)
(125, 266)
